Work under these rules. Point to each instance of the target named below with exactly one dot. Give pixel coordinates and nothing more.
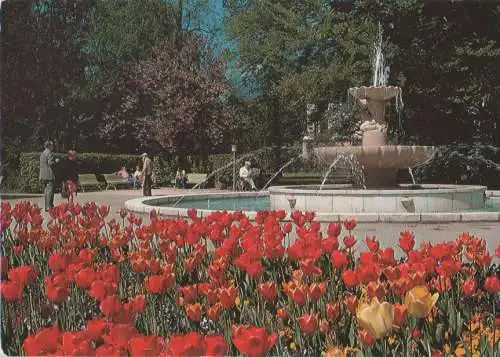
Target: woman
(70, 178)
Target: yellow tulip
(419, 301)
(376, 318)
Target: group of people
(144, 177)
(70, 177)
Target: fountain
(380, 162)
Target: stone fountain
(380, 160)
(380, 163)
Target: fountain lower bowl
(401, 199)
(386, 156)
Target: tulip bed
(217, 285)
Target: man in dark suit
(47, 176)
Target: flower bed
(222, 285)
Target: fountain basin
(403, 199)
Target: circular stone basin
(402, 199)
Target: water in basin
(227, 203)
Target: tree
(42, 67)
(299, 53)
(174, 100)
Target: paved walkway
(388, 233)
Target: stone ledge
(399, 217)
(360, 217)
(480, 216)
(441, 217)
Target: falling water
(233, 162)
(411, 175)
(357, 171)
(279, 171)
(380, 70)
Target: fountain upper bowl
(379, 93)
(386, 156)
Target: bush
(466, 164)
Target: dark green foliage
(469, 164)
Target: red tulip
(85, 277)
(216, 345)
(253, 341)
(406, 241)
(372, 243)
(350, 278)
(96, 328)
(334, 229)
(339, 259)
(330, 244)
(492, 284)
(111, 306)
(214, 311)
(351, 302)
(190, 344)
(387, 256)
(400, 313)
(333, 311)
(349, 241)
(227, 297)
(145, 346)
(287, 227)
(43, 342)
(157, 284)
(317, 290)
(268, 290)
(24, 274)
(193, 311)
(308, 323)
(366, 338)
(11, 290)
(376, 289)
(189, 293)
(350, 224)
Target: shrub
(472, 164)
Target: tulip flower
(400, 313)
(308, 323)
(376, 318)
(419, 301)
(253, 341)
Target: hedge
(268, 160)
(29, 167)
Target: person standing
(71, 179)
(147, 173)
(47, 176)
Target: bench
(89, 180)
(113, 180)
(194, 179)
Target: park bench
(194, 179)
(90, 180)
(113, 180)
